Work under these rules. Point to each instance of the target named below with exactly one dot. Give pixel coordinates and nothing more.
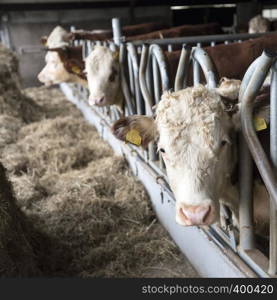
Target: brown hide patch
(72, 59)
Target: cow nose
(195, 215)
(97, 101)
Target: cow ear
(69, 37)
(137, 130)
(229, 88)
(43, 40)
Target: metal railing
(267, 167)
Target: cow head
(194, 135)
(258, 24)
(102, 68)
(63, 62)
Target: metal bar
(202, 59)
(246, 226)
(124, 85)
(117, 34)
(157, 51)
(135, 63)
(202, 39)
(265, 167)
(183, 69)
(256, 149)
(156, 80)
(247, 76)
(273, 155)
(142, 80)
(131, 77)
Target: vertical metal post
(117, 34)
(6, 32)
(156, 80)
(196, 70)
(183, 69)
(246, 226)
(273, 154)
(131, 74)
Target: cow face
(102, 68)
(193, 132)
(54, 71)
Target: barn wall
(23, 29)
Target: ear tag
(133, 137)
(76, 69)
(259, 123)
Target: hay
(12, 101)
(86, 199)
(17, 257)
(90, 217)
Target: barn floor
(93, 217)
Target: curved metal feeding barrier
(265, 167)
(130, 57)
(183, 68)
(124, 85)
(202, 59)
(156, 53)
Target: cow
(103, 75)
(64, 63)
(104, 78)
(195, 133)
(180, 31)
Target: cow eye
(162, 150)
(223, 143)
(113, 75)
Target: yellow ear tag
(76, 69)
(133, 137)
(259, 123)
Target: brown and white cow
(196, 137)
(178, 31)
(103, 75)
(102, 64)
(64, 63)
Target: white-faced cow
(63, 62)
(103, 75)
(195, 135)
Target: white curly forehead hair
(188, 107)
(99, 57)
(191, 117)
